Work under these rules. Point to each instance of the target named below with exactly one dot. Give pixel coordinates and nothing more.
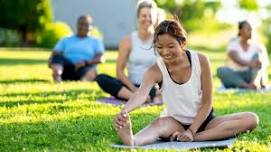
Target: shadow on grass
(23, 81)
(46, 97)
(84, 133)
(11, 61)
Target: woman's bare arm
(151, 76)
(123, 56)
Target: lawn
(38, 115)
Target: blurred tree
(250, 5)
(191, 12)
(266, 28)
(52, 33)
(25, 16)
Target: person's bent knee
(57, 69)
(100, 78)
(253, 120)
(221, 71)
(160, 123)
(90, 75)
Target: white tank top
(141, 57)
(182, 100)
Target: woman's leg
(234, 79)
(124, 93)
(89, 75)
(228, 126)
(162, 127)
(113, 86)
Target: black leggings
(112, 85)
(69, 71)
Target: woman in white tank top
(187, 93)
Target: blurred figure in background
(76, 57)
(247, 62)
(135, 53)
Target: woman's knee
(164, 130)
(222, 71)
(57, 69)
(252, 120)
(101, 78)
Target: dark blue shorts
(69, 71)
(201, 128)
(204, 124)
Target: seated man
(75, 57)
(247, 62)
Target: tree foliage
(250, 5)
(25, 15)
(191, 12)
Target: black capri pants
(112, 85)
(69, 71)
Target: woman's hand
(182, 136)
(80, 65)
(122, 119)
(255, 64)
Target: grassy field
(38, 115)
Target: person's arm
(99, 58)
(99, 53)
(54, 53)
(151, 76)
(207, 89)
(57, 50)
(124, 52)
(235, 57)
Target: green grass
(38, 115)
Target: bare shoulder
(204, 60)
(154, 72)
(126, 42)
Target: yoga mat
(222, 89)
(174, 145)
(117, 102)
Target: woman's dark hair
(145, 4)
(241, 25)
(173, 28)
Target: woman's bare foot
(251, 86)
(125, 132)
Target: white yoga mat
(181, 145)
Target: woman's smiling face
(168, 47)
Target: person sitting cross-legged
(186, 92)
(76, 57)
(247, 62)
